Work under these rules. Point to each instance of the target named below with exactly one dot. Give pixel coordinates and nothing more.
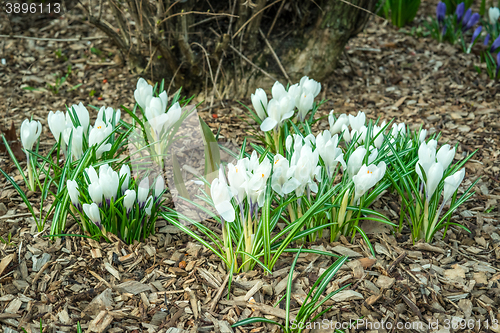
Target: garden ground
(169, 283)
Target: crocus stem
(333, 217)
(31, 180)
(276, 140)
(426, 219)
(248, 241)
(292, 213)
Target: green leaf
(212, 153)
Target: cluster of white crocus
(434, 165)
(155, 108)
(103, 188)
(76, 125)
(247, 180)
(281, 107)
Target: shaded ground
(172, 283)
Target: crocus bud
(466, 17)
(221, 196)
(125, 172)
(143, 191)
(143, 93)
(82, 114)
(92, 211)
(472, 21)
(434, 177)
(109, 182)
(494, 14)
(129, 200)
(159, 186)
(441, 11)
(487, 40)
(30, 132)
(460, 11)
(259, 102)
(355, 161)
(57, 124)
(95, 191)
(336, 124)
(73, 192)
(445, 155)
(358, 121)
(422, 135)
(451, 184)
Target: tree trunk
(237, 45)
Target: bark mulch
(171, 284)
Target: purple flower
(466, 17)
(476, 34)
(460, 11)
(443, 31)
(498, 64)
(472, 22)
(495, 45)
(486, 40)
(440, 11)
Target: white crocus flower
(73, 192)
(109, 181)
(422, 135)
(278, 111)
(346, 134)
(237, 176)
(279, 176)
(304, 171)
(355, 161)
(156, 106)
(106, 115)
(92, 211)
(125, 172)
(94, 178)
(95, 192)
(310, 85)
(82, 114)
(494, 14)
(445, 155)
(326, 145)
(129, 200)
(278, 91)
(30, 132)
(143, 93)
(336, 125)
(451, 184)
(358, 121)
(159, 186)
(366, 178)
(434, 177)
(165, 120)
(259, 102)
(143, 191)
(57, 124)
(255, 184)
(99, 134)
(304, 104)
(379, 140)
(398, 129)
(221, 196)
(426, 158)
(76, 140)
(373, 155)
(253, 163)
